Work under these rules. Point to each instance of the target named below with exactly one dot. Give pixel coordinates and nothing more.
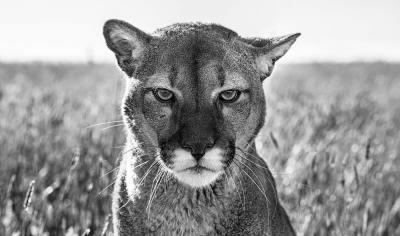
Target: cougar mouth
(194, 172)
(197, 169)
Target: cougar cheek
(156, 114)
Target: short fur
(197, 128)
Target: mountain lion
(193, 105)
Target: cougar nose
(198, 149)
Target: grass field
(332, 139)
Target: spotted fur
(190, 166)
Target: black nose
(198, 149)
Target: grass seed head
(75, 159)
(86, 233)
(29, 194)
(105, 226)
(11, 186)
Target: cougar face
(197, 106)
(195, 92)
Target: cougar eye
(229, 96)
(163, 95)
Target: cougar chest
(181, 211)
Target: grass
(332, 138)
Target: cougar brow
(172, 76)
(232, 80)
(161, 80)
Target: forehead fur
(185, 29)
(193, 47)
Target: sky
(71, 30)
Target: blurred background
(332, 135)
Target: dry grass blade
(10, 186)
(367, 149)
(75, 159)
(29, 194)
(356, 177)
(274, 141)
(105, 225)
(86, 233)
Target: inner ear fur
(268, 51)
(127, 42)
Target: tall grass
(332, 138)
(338, 165)
(44, 138)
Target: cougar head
(195, 92)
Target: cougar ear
(127, 42)
(268, 51)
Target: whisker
(276, 173)
(120, 155)
(141, 164)
(152, 190)
(305, 185)
(168, 176)
(109, 172)
(267, 200)
(153, 194)
(257, 157)
(107, 186)
(247, 159)
(248, 144)
(230, 175)
(148, 170)
(262, 191)
(276, 195)
(116, 121)
(241, 184)
(258, 178)
(129, 200)
(111, 127)
(132, 149)
(268, 179)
